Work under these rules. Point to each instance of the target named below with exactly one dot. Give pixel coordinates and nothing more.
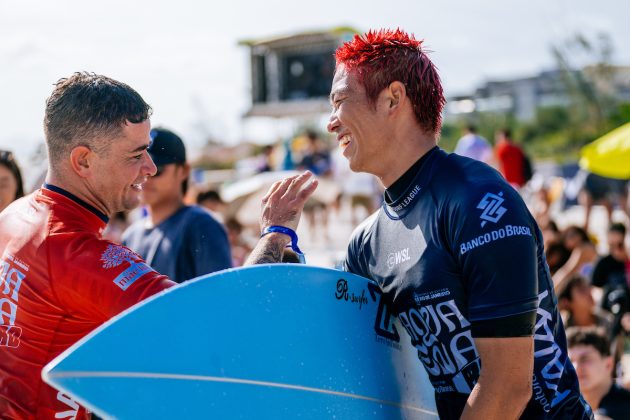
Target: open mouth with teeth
(138, 186)
(345, 141)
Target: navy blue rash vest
(457, 255)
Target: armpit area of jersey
(521, 325)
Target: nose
(150, 167)
(333, 123)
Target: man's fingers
(283, 187)
(296, 183)
(271, 190)
(307, 191)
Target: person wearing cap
(59, 278)
(180, 241)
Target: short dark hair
(87, 106)
(8, 160)
(589, 336)
(212, 195)
(574, 281)
(578, 231)
(618, 228)
(385, 56)
(506, 132)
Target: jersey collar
(401, 196)
(77, 200)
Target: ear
(184, 171)
(609, 363)
(396, 93)
(81, 161)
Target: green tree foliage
(559, 132)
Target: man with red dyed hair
(453, 248)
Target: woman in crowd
(582, 259)
(11, 185)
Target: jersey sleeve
(207, 246)
(356, 259)
(98, 279)
(493, 238)
(352, 263)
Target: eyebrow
(339, 91)
(139, 148)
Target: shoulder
(621, 393)
(84, 255)
(358, 249)
(134, 229)
(197, 221)
(83, 247)
(461, 181)
(365, 228)
(198, 215)
(616, 402)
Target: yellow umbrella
(609, 155)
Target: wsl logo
(398, 257)
(492, 209)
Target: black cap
(166, 147)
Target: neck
(162, 211)
(583, 319)
(78, 189)
(594, 395)
(407, 147)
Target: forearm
(495, 401)
(504, 386)
(269, 249)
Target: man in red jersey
(58, 278)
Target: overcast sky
(183, 58)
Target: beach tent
(609, 155)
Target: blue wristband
(289, 232)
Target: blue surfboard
(264, 342)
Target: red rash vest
(59, 280)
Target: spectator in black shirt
(589, 351)
(611, 273)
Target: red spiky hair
(384, 56)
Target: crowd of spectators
(591, 275)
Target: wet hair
(385, 56)
(589, 336)
(88, 109)
(8, 161)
